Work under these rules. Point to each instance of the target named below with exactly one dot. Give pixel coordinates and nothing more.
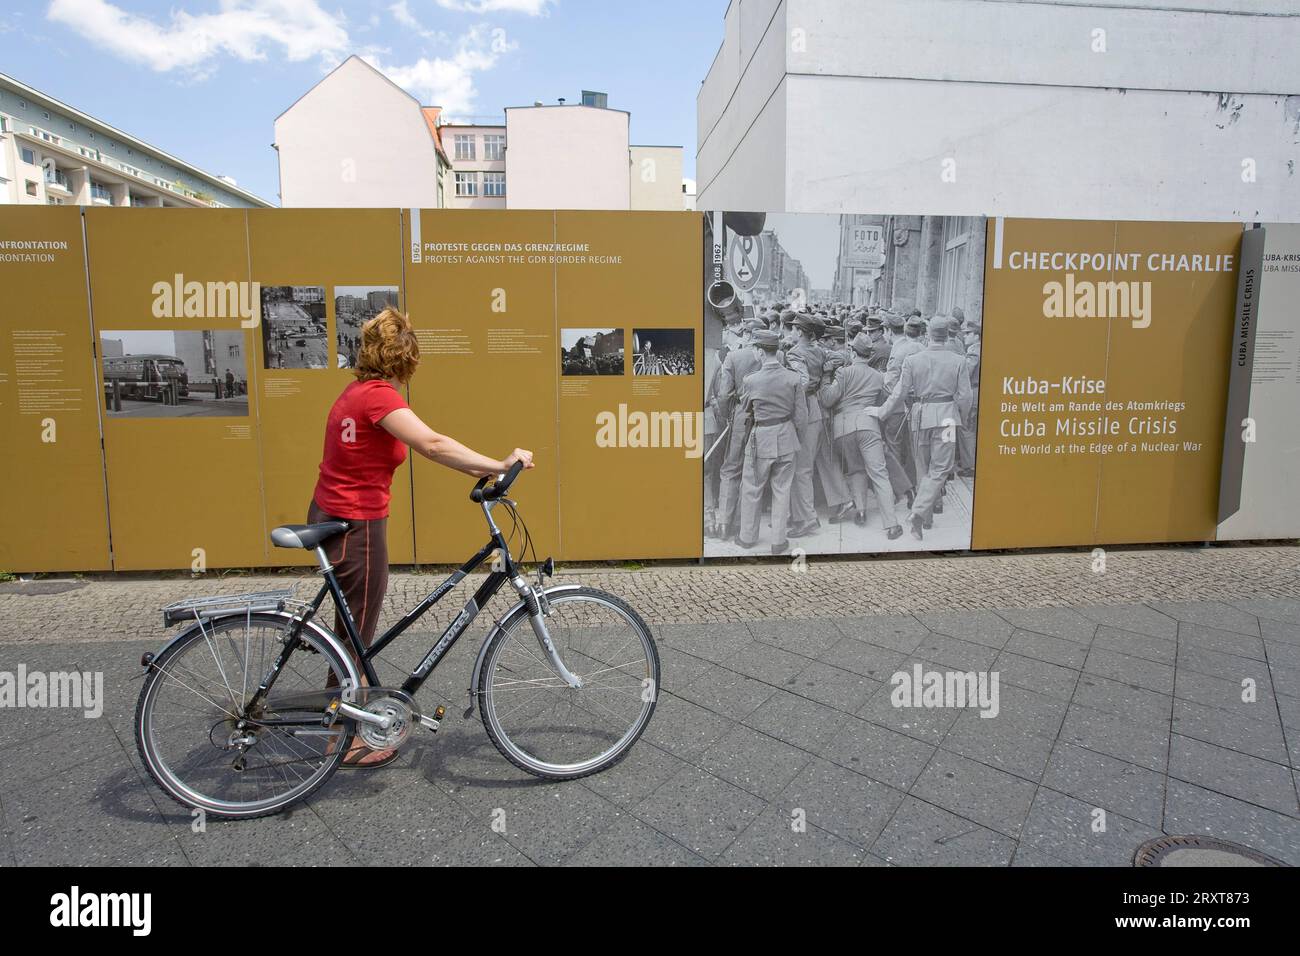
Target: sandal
(351, 760)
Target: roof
(431, 114)
(133, 141)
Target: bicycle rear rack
(202, 609)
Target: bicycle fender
(511, 616)
(324, 635)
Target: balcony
(101, 195)
(78, 153)
(57, 180)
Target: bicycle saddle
(308, 536)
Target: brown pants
(360, 559)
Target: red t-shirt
(356, 468)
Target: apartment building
(478, 165)
(544, 156)
(54, 154)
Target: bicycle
(265, 701)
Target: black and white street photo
(156, 373)
(293, 327)
(663, 351)
(842, 362)
(591, 351)
(354, 306)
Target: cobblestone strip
(117, 608)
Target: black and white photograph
(591, 352)
(155, 373)
(293, 327)
(354, 306)
(877, 319)
(663, 351)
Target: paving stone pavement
(1128, 712)
(123, 607)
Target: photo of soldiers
(972, 331)
(857, 308)
(775, 413)
(853, 394)
(728, 403)
(937, 389)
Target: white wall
(356, 140)
(741, 115)
(877, 95)
(567, 157)
(656, 177)
(1057, 152)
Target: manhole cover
(1198, 851)
(40, 587)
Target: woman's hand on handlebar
(520, 455)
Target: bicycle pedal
(434, 722)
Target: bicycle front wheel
(552, 730)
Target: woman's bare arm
(406, 427)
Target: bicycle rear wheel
(540, 723)
(202, 746)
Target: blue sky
(205, 79)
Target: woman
(366, 437)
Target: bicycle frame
(486, 591)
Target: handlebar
(483, 493)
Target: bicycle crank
(390, 732)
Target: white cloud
(401, 12)
(449, 81)
(247, 30)
(533, 8)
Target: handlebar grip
(482, 493)
(503, 486)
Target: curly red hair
(389, 349)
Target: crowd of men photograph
(591, 351)
(841, 385)
(663, 351)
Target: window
(29, 157)
(494, 184)
(464, 145)
(31, 188)
(956, 257)
(467, 184)
(494, 146)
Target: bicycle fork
(538, 606)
